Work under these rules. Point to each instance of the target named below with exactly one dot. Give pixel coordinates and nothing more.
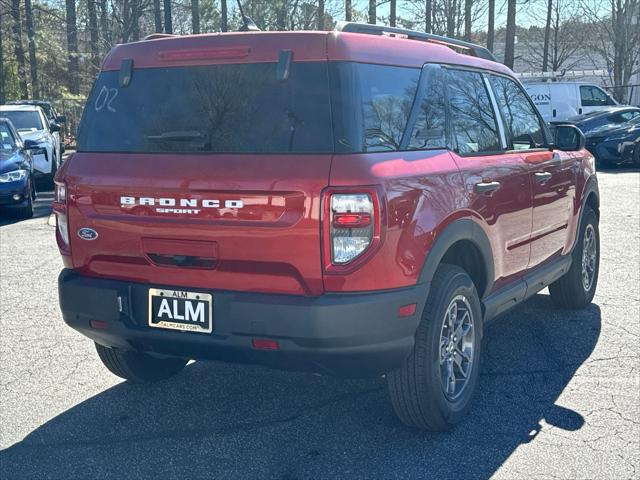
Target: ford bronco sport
(358, 202)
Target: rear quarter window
(371, 105)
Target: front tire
(138, 367)
(54, 169)
(434, 387)
(576, 288)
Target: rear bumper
(354, 335)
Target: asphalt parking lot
(559, 394)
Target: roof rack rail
(466, 47)
(154, 36)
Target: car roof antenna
(248, 25)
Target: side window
(429, 129)
(473, 122)
(626, 116)
(520, 118)
(387, 96)
(7, 142)
(592, 96)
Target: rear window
(220, 108)
(24, 120)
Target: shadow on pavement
(219, 420)
(618, 168)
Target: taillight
(60, 209)
(352, 226)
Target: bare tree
(468, 4)
(428, 14)
(18, 49)
(491, 32)
(450, 13)
(2, 75)
(93, 35)
(168, 21)
(372, 12)
(547, 34)
(558, 46)
(31, 38)
(616, 40)
(104, 25)
(195, 16)
(157, 16)
(509, 47)
(224, 16)
(72, 47)
(392, 13)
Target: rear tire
(421, 391)
(636, 155)
(26, 211)
(138, 367)
(576, 288)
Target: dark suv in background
(359, 203)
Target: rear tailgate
(201, 162)
(229, 222)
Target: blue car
(612, 135)
(616, 144)
(17, 186)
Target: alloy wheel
(456, 347)
(589, 257)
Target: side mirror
(568, 138)
(54, 127)
(30, 145)
(61, 119)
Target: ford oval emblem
(87, 233)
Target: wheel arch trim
(463, 229)
(590, 188)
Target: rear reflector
(351, 220)
(407, 310)
(99, 324)
(265, 344)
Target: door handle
(487, 188)
(542, 177)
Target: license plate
(179, 310)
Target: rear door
(206, 176)
(552, 174)
(498, 181)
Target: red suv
(358, 203)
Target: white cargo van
(558, 101)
